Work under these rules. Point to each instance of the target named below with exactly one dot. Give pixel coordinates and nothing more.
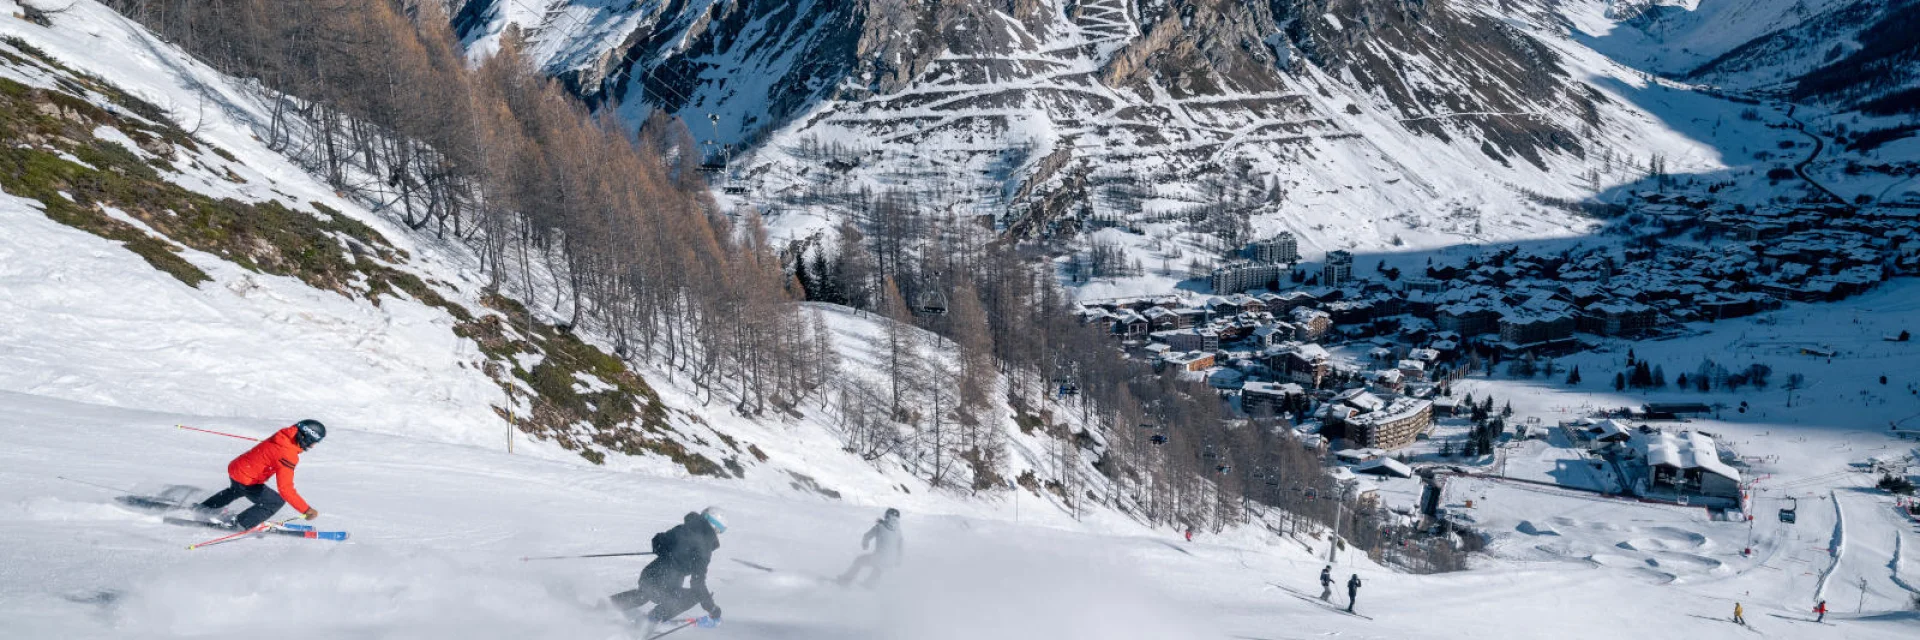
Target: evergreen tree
(1573, 377)
(1681, 381)
(1619, 382)
(1642, 377)
(1659, 377)
(829, 289)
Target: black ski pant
(668, 597)
(265, 502)
(1352, 595)
(874, 562)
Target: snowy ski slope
(101, 356)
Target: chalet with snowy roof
(1310, 324)
(1467, 319)
(1129, 324)
(1359, 455)
(1247, 303)
(1617, 318)
(1161, 318)
(1384, 467)
(1304, 363)
(1267, 396)
(1533, 329)
(1189, 339)
(1609, 431)
(1688, 463)
(1721, 306)
(1193, 361)
(1364, 419)
(1386, 380)
(1346, 312)
(1422, 284)
(1412, 369)
(1273, 334)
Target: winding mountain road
(1819, 145)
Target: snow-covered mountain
(1851, 54)
(1354, 123)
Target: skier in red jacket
(275, 458)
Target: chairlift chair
(932, 302)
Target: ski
(1800, 619)
(1323, 603)
(702, 621)
(295, 530)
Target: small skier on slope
(275, 458)
(885, 540)
(1822, 610)
(1326, 583)
(679, 554)
(1737, 617)
(1353, 591)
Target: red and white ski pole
(217, 433)
(235, 536)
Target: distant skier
(1353, 591)
(679, 553)
(1737, 617)
(1822, 610)
(275, 458)
(1189, 534)
(1326, 583)
(885, 540)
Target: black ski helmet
(310, 432)
(893, 514)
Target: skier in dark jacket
(1326, 583)
(1353, 590)
(884, 538)
(680, 553)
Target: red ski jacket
(274, 457)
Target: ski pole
(592, 555)
(256, 529)
(95, 485)
(217, 433)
